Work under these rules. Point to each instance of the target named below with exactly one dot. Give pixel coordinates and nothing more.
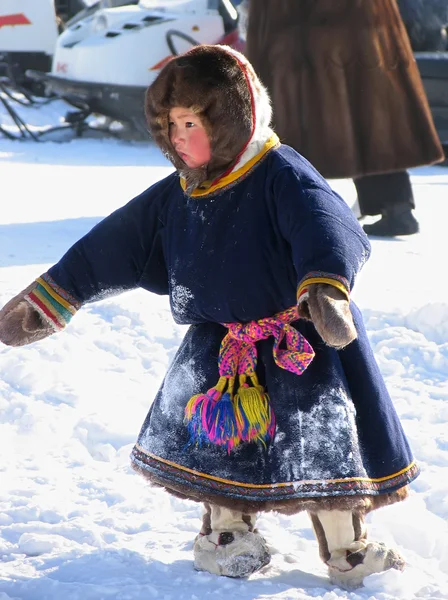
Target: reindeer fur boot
(344, 548)
(228, 544)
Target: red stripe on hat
(254, 121)
(161, 63)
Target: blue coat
(236, 253)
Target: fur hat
(220, 86)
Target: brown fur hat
(220, 86)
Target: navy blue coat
(235, 254)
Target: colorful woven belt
(237, 409)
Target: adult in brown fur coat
(347, 95)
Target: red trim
(233, 40)
(44, 309)
(254, 122)
(302, 293)
(16, 19)
(161, 63)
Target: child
(273, 400)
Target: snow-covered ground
(75, 522)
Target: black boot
(396, 220)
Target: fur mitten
(328, 308)
(20, 323)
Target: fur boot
(343, 546)
(228, 544)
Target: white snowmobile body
(28, 26)
(126, 45)
(29, 30)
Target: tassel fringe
(226, 419)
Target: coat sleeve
(328, 245)
(122, 252)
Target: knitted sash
(237, 409)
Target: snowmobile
(104, 62)
(433, 67)
(426, 24)
(29, 30)
(28, 33)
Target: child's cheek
(200, 145)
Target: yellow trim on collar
(225, 181)
(334, 282)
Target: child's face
(189, 138)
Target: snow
(75, 521)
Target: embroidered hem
(169, 471)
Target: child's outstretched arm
(120, 253)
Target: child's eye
(189, 124)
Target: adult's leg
(228, 543)
(390, 195)
(343, 546)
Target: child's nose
(177, 137)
